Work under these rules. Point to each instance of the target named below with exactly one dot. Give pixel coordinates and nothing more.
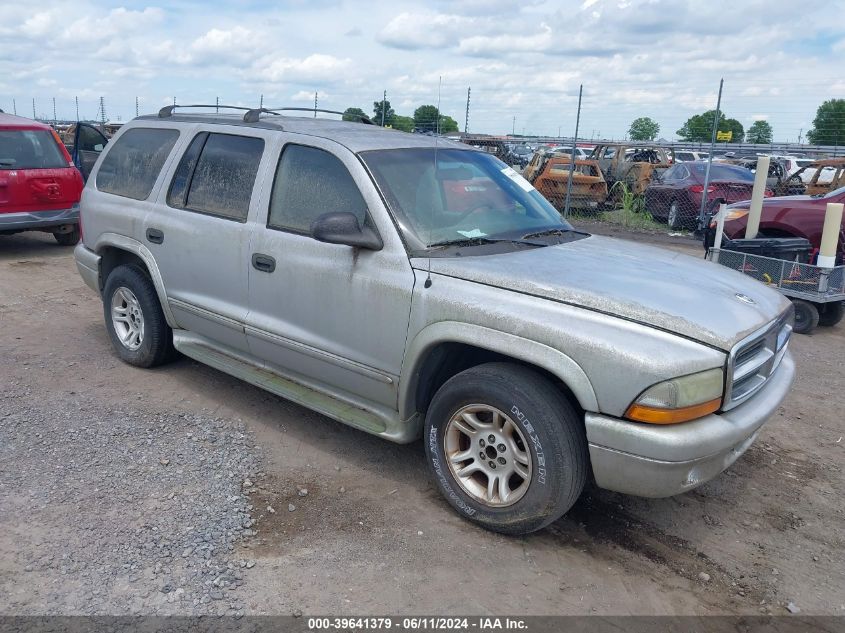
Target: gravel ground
(125, 510)
(122, 491)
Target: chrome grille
(755, 359)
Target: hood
(766, 201)
(653, 286)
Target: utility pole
(513, 126)
(800, 132)
(383, 102)
(136, 107)
(261, 101)
(572, 157)
(216, 105)
(33, 108)
(315, 104)
(558, 131)
(54, 111)
(76, 99)
(14, 107)
(174, 100)
(102, 110)
(466, 119)
(700, 226)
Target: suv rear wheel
(506, 447)
(135, 322)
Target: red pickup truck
(39, 185)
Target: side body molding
(550, 359)
(137, 248)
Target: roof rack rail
(253, 115)
(167, 111)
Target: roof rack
(252, 115)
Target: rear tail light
(700, 189)
(768, 193)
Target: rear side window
(216, 175)
(133, 162)
(30, 149)
(310, 182)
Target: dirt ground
(373, 536)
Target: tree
(759, 132)
(829, 124)
(388, 112)
(353, 114)
(643, 129)
(699, 127)
(428, 119)
(403, 123)
(425, 118)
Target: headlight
(680, 399)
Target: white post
(720, 226)
(830, 235)
(756, 209)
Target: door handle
(264, 263)
(155, 236)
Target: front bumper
(35, 220)
(660, 461)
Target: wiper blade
(555, 231)
(475, 241)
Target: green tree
(353, 114)
(388, 112)
(425, 118)
(403, 123)
(643, 129)
(699, 127)
(829, 124)
(759, 132)
(428, 119)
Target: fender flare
(548, 358)
(135, 247)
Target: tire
(543, 432)
(68, 239)
(673, 218)
(129, 295)
(831, 313)
(806, 316)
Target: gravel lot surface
(183, 490)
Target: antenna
(427, 283)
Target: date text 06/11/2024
(426, 623)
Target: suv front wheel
(135, 322)
(506, 447)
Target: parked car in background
(789, 216)
(518, 156)
(687, 156)
(779, 180)
(823, 176)
(675, 196)
(39, 186)
(630, 164)
(84, 142)
(589, 188)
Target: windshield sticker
(473, 233)
(513, 175)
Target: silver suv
(414, 287)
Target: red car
(675, 196)
(789, 216)
(39, 185)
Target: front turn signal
(680, 399)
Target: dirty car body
(589, 188)
(427, 289)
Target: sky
(524, 61)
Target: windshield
(723, 172)
(30, 149)
(465, 195)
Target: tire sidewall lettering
(535, 440)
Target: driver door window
(310, 182)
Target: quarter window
(310, 182)
(134, 160)
(216, 175)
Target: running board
(248, 370)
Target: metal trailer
(817, 293)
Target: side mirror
(343, 228)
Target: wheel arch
(115, 250)
(446, 348)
